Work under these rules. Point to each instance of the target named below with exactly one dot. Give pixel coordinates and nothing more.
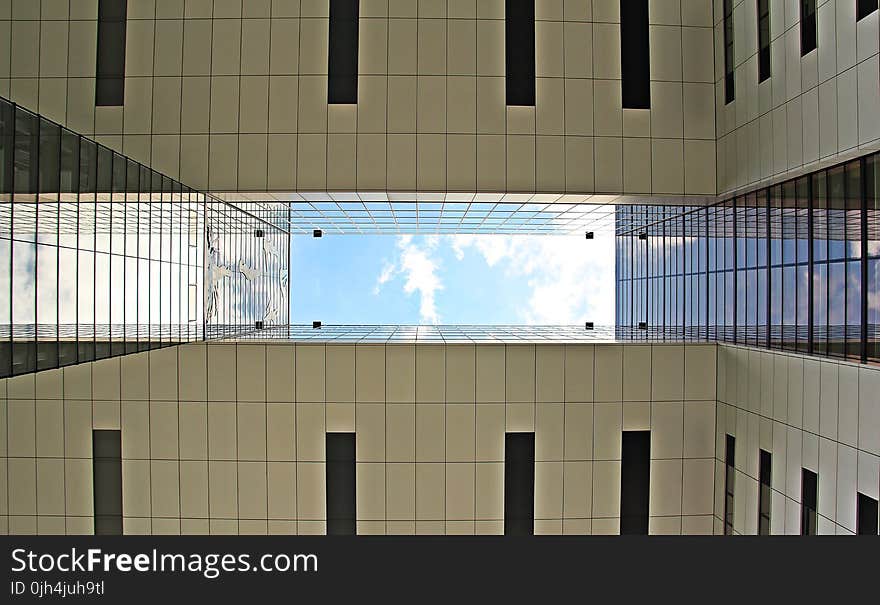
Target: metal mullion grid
(58, 254)
(663, 279)
(140, 321)
(124, 234)
(810, 268)
(769, 265)
(734, 295)
(182, 295)
(864, 260)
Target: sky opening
(452, 279)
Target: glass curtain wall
(102, 256)
(795, 266)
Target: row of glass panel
(102, 256)
(793, 266)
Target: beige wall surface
(818, 414)
(229, 438)
(232, 96)
(819, 107)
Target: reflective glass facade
(102, 256)
(794, 266)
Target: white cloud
(388, 271)
(571, 279)
(419, 268)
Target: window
(110, 71)
(764, 494)
(342, 69)
(729, 480)
(866, 514)
(634, 54)
(763, 40)
(729, 59)
(635, 480)
(519, 484)
(808, 26)
(519, 42)
(809, 491)
(107, 480)
(865, 8)
(341, 484)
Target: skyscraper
(158, 158)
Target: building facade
(157, 156)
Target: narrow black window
(866, 512)
(110, 73)
(519, 42)
(809, 491)
(343, 52)
(763, 40)
(764, 494)
(808, 26)
(729, 481)
(865, 8)
(635, 481)
(519, 484)
(107, 480)
(634, 54)
(729, 59)
(341, 484)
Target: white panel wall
(231, 95)
(226, 438)
(818, 414)
(818, 107)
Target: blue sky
(452, 279)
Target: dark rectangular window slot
(866, 506)
(763, 40)
(519, 484)
(341, 485)
(729, 58)
(107, 481)
(729, 482)
(588, 325)
(110, 68)
(764, 493)
(635, 481)
(317, 233)
(635, 58)
(342, 70)
(809, 492)
(519, 44)
(863, 9)
(808, 26)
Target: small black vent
(589, 235)
(643, 236)
(258, 325)
(317, 233)
(258, 233)
(316, 325)
(643, 325)
(588, 325)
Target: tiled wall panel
(817, 108)
(818, 414)
(233, 96)
(229, 438)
